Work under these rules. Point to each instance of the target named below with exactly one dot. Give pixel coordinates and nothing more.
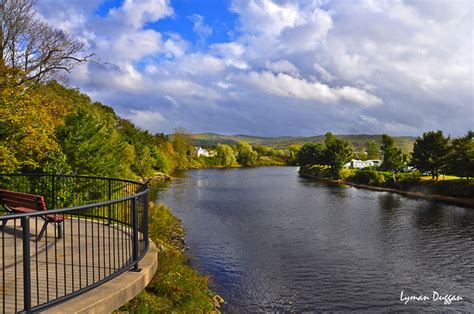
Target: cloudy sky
(277, 67)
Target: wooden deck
(89, 251)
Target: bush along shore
(458, 192)
(176, 287)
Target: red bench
(17, 202)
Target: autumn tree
(27, 130)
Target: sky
(277, 67)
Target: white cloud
(359, 96)
(325, 75)
(371, 66)
(145, 119)
(288, 86)
(125, 46)
(138, 12)
(308, 33)
(283, 66)
(200, 28)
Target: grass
(176, 287)
(441, 178)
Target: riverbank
(176, 286)
(414, 189)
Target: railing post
(110, 205)
(25, 221)
(135, 234)
(53, 191)
(145, 219)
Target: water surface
(273, 241)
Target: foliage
(369, 177)
(318, 171)
(266, 161)
(392, 156)
(245, 154)
(337, 153)
(346, 173)
(460, 160)
(357, 140)
(27, 129)
(293, 151)
(429, 152)
(94, 146)
(406, 179)
(373, 150)
(311, 154)
(225, 155)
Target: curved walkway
(89, 251)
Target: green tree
(392, 155)
(460, 160)
(93, 146)
(182, 147)
(225, 155)
(293, 151)
(246, 155)
(373, 150)
(429, 152)
(337, 153)
(311, 154)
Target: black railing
(104, 233)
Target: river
(270, 240)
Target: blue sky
(277, 67)
(217, 15)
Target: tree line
(47, 127)
(433, 153)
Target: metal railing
(104, 233)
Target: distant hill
(357, 140)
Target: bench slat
(19, 199)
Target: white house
(359, 164)
(199, 151)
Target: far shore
(460, 201)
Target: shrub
(370, 177)
(403, 179)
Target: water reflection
(272, 241)
(389, 201)
(430, 214)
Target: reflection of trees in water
(434, 214)
(429, 214)
(339, 190)
(332, 188)
(389, 201)
(390, 204)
